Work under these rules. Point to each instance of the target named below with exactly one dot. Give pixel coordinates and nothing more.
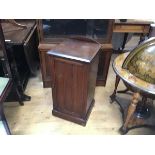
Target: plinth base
(73, 118)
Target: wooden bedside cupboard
(74, 70)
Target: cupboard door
(70, 88)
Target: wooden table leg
(124, 41)
(130, 112)
(115, 90)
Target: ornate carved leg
(16, 77)
(115, 90)
(130, 112)
(19, 97)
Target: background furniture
(152, 31)
(138, 26)
(138, 79)
(5, 82)
(52, 31)
(22, 54)
(74, 70)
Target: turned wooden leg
(124, 40)
(130, 112)
(115, 90)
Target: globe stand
(128, 68)
(144, 115)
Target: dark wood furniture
(5, 82)
(22, 54)
(152, 31)
(44, 63)
(141, 27)
(140, 111)
(73, 64)
(52, 32)
(104, 62)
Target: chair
(137, 70)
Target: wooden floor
(35, 117)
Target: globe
(141, 61)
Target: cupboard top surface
(76, 49)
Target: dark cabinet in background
(22, 53)
(53, 31)
(44, 63)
